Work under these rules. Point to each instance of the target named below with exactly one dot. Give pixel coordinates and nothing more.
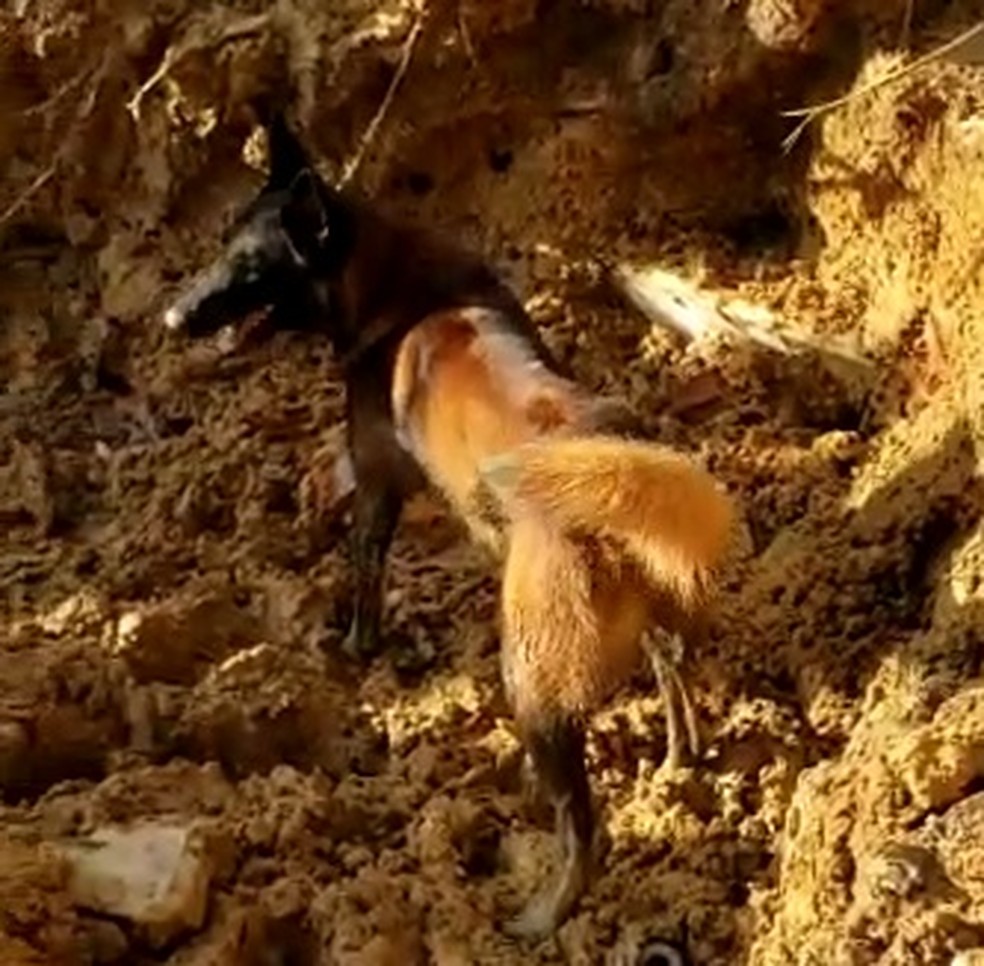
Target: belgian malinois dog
(598, 533)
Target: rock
(232, 934)
(73, 614)
(968, 957)
(938, 761)
(786, 25)
(389, 951)
(150, 874)
(957, 838)
(107, 941)
(326, 487)
(177, 640)
(25, 488)
(897, 870)
(637, 948)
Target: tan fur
(602, 534)
(572, 620)
(464, 391)
(669, 514)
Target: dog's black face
(278, 255)
(257, 270)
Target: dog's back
(469, 386)
(397, 278)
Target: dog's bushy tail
(669, 514)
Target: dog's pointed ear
(305, 216)
(287, 157)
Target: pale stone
(149, 874)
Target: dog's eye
(251, 271)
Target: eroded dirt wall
(172, 609)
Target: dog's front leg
(385, 476)
(378, 502)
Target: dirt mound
(173, 598)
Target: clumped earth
(175, 584)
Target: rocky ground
(173, 598)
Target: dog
(598, 533)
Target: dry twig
(163, 69)
(62, 91)
(176, 52)
(49, 172)
(465, 34)
(365, 142)
(32, 189)
(809, 114)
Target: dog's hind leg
(549, 641)
(556, 748)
